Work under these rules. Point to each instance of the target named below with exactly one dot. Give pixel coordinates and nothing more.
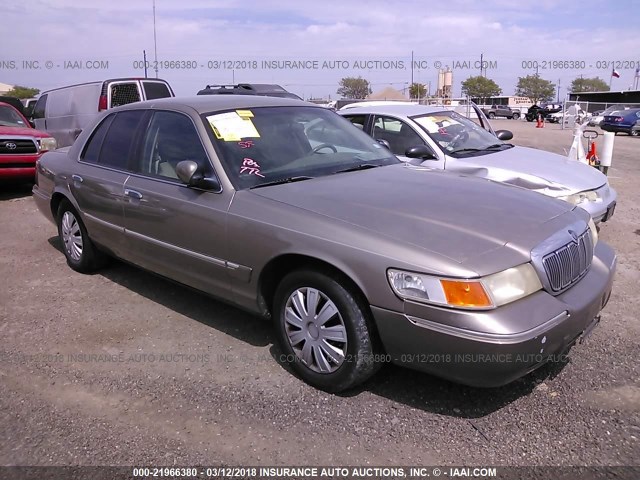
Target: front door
(172, 229)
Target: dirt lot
(124, 368)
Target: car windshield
(276, 144)
(10, 118)
(457, 135)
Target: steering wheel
(317, 148)
(457, 139)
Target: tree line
(532, 86)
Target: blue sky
(510, 33)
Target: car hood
(453, 216)
(544, 172)
(22, 131)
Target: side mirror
(504, 134)
(384, 143)
(189, 172)
(420, 151)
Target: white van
(64, 112)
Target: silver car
(287, 210)
(445, 139)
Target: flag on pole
(614, 73)
(638, 72)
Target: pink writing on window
(250, 167)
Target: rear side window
(38, 110)
(153, 90)
(124, 93)
(119, 140)
(91, 151)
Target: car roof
(402, 110)
(212, 103)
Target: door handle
(77, 178)
(133, 194)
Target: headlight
(478, 293)
(48, 143)
(594, 231)
(578, 198)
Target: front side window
(118, 143)
(39, 108)
(170, 138)
(267, 144)
(399, 134)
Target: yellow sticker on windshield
(231, 127)
(245, 113)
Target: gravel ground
(124, 368)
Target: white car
(438, 137)
(571, 115)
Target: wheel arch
(278, 267)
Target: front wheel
(82, 255)
(324, 331)
(491, 115)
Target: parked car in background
(544, 110)
(444, 139)
(29, 103)
(624, 121)
(20, 146)
(596, 117)
(284, 209)
(265, 89)
(572, 114)
(501, 111)
(64, 112)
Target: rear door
(172, 229)
(39, 113)
(98, 181)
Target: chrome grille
(17, 146)
(566, 265)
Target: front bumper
(497, 356)
(603, 209)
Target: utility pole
(155, 42)
(411, 67)
(481, 57)
(558, 90)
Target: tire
(82, 255)
(516, 116)
(491, 115)
(334, 360)
(634, 133)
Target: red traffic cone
(592, 155)
(539, 123)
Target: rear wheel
(323, 331)
(634, 133)
(516, 116)
(82, 255)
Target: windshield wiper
(362, 166)
(282, 180)
(498, 145)
(467, 150)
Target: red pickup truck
(21, 146)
